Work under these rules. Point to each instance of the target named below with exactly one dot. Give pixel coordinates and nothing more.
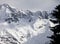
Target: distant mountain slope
(19, 27)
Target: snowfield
(17, 27)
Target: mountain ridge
(23, 25)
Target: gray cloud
(32, 4)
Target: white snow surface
(25, 32)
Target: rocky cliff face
(19, 27)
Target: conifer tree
(55, 38)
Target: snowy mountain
(19, 27)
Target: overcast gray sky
(32, 4)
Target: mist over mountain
(24, 27)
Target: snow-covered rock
(17, 27)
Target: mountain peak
(19, 27)
(12, 13)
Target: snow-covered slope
(19, 27)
